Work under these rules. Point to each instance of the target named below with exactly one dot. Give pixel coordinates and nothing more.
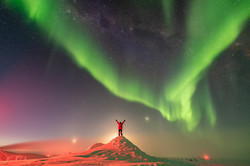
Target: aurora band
(210, 30)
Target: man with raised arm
(120, 127)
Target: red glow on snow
(206, 157)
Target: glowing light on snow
(108, 137)
(112, 136)
(206, 157)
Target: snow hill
(119, 152)
(119, 148)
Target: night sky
(177, 71)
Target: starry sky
(177, 71)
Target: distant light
(112, 137)
(206, 157)
(147, 118)
(74, 140)
(48, 155)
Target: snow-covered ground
(118, 152)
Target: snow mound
(118, 148)
(95, 145)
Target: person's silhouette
(120, 127)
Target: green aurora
(210, 30)
(211, 27)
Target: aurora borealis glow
(206, 39)
(123, 49)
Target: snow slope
(118, 152)
(119, 148)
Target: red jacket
(120, 124)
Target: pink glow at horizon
(51, 147)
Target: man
(119, 127)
